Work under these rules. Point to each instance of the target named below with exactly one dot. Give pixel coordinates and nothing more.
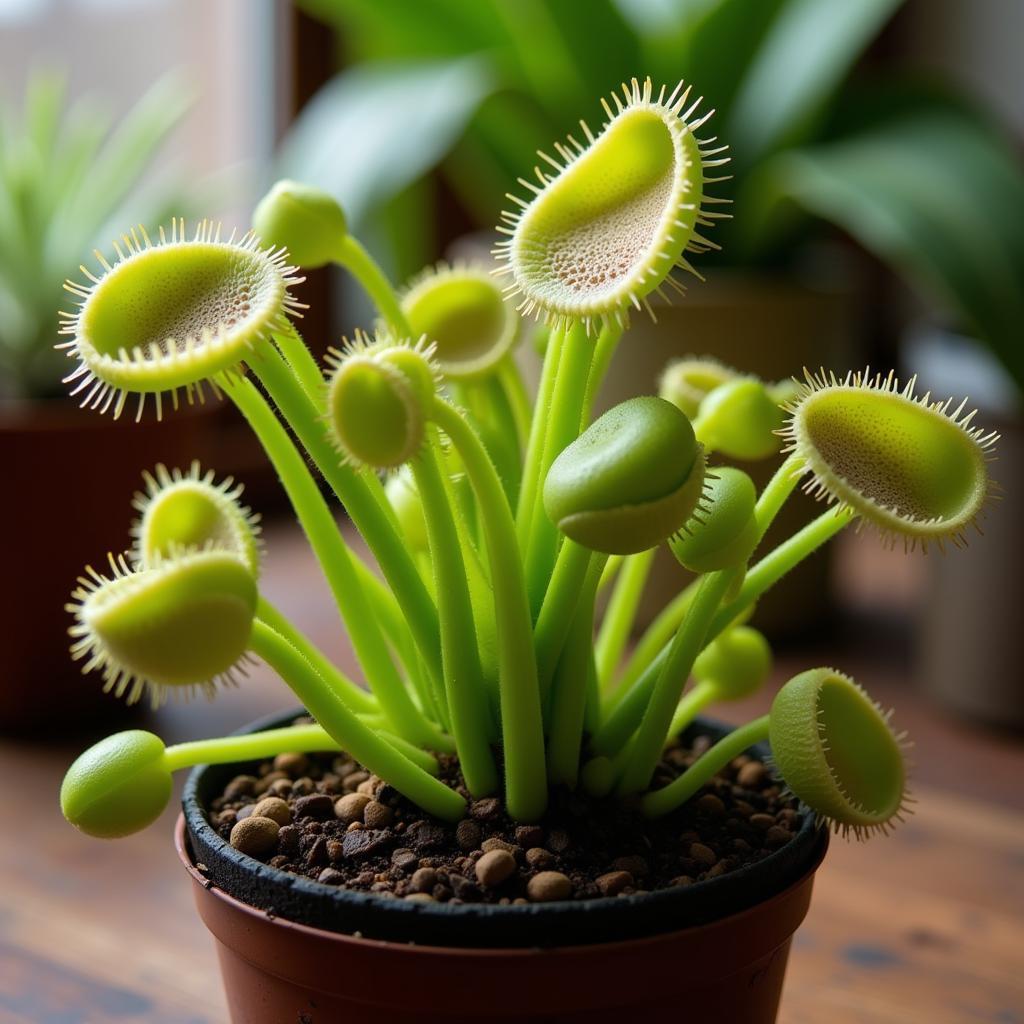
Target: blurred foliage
(914, 175)
(69, 183)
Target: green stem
(620, 615)
(354, 491)
(611, 570)
(569, 699)
(563, 427)
(653, 641)
(770, 569)
(304, 366)
(559, 607)
(491, 415)
(361, 265)
(776, 491)
(463, 675)
(511, 381)
(604, 348)
(365, 745)
(522, 727)
(687, 644)
(635, 691)
(531, 479)
(691, 705)
(297, 739)
(354, 695)
(336, 561)
(675, 794)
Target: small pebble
(420, 897)
(269, 779)
(303, 786)
(467, 834)
(613, 882)
(762, 821)
(369, 787)
(494, 867)
(777, 836)
(681, 880)
(275, 808)
(486, 809)
(404, 860)
(288, 838)
(350, 808)
(494, 843)
(376, 815)
(244, 812)
(751, 775)
(330, 876)
(529, 836)
(703, 855)
(318, 806)
(715, 870)
(240, 785)
(549, 886)
(711, 804)
(423, 880)
(254, 836)
(538, 857)
(335, 850)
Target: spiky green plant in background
(69, 179)
(481, 641)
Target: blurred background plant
(70, 181)
(914, 171)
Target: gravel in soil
(325, 817)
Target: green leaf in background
(374, 129)
(63, 175)
(937, 197)
(806, 54)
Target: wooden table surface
(926, 927)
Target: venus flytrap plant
(496, 525)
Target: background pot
(287, 952)
(69, 477)
(968, 655)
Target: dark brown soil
(583, 848)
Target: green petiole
(365, 745)
(522, 727)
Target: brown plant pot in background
(68, 480)
(606, 961)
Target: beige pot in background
(968, 646)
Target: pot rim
(341, 911)
(181, 847)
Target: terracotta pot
(291, 949)
(69, 477)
